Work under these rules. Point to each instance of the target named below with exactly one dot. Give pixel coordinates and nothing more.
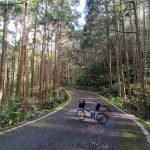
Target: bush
(12, 112)
(61, 96)
(118, 101)
(95, 76)
(9, 116)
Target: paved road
(62, 131)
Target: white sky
(81, 9)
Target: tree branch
(121, 31)
(1, 4)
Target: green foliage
(117, 101)
(83, 79)
(58, 12)
(94, 76)
(10, 115)
(104, 91)
(17, 9)
(61, 96)
(16, 111)
(16, 116)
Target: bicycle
(101, 118)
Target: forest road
(63, 131)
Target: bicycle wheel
(80, 114)
(101, 118)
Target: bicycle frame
(100, 117)
(92, 112)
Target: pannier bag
(97, 107)
(81, 104)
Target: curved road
(62, 131)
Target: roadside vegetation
(95, 81)
(34, 38)
(19, 112)
(114, 53)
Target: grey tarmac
(63, 131)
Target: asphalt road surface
(63, 131)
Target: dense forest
(43, 47)
(34, 37)
(114, 51)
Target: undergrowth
(14, 111)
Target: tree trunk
(108, 50)
(144, 47)
(41, 85)
(22, 67)
(4, 57)
(55, 65)
(12, 82)
(117, 51)
(141, 70)
(126, 53)
(59, 55)
(33, 57)
(42, 81)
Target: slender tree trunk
(25, 75)
(13, 64)
(141, 70)
(42, 81)
(51, 60)
(20, 79)
(126, 53)
(109, 51)
(12, 75)
(55, 65)
(4, 57)
(8, 80)
(59, 55)
(33, 57)
(134, 65)
(117, 51)
(144, 47)
(41, 86)
(37, 76)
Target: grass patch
(117, 101)
(147, 123)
